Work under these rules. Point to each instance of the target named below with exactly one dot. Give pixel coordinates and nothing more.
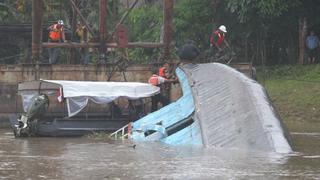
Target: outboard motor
(26, 124)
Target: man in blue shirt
(312, 43)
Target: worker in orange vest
(157, 80)
(164, 70)
(56, 35)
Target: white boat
(69, 108)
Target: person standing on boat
(157, 80)
(164, 70)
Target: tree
(266, 24)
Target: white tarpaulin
(78, 93)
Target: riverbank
(295, 93)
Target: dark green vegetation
(262, 32)
(295, 92)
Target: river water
(87, 158)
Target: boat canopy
(78, 93)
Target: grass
(295, 92)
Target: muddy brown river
(87, 158)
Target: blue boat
(220, 107)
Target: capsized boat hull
(228, 110)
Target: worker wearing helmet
(60, 22)
(56, 32)
(217, 38)
(56, 35)
(157, 80)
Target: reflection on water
(83, 158)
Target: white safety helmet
(60, 22)
(223, 28)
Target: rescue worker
(217, 39)
(81, 33)
(164, 70)
(83, 36)
(157, 80)
(56, 35)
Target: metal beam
(81, 17)
(127, 13)
(302, 36)
(37, 15)
(96, 45)
(72, 59)
(102, 27)
(124, 16)
(167, 22)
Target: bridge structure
(102, 44)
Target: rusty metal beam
(124, 17)
(102, 26)
(81, 17)
(302, 36)
(37, 15)
(72, 59)
(127, 12)
(167, 22)
(96, 45)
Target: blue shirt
(312, 41)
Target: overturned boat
(220, 107)
(73, 108)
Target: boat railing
(122, 133)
